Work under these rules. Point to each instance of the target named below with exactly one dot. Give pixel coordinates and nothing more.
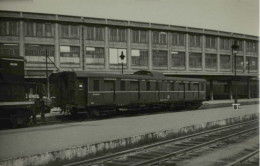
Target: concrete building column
(106, 49)
(128, 50)
(21, 39)
(230, 93)
(150, 62)
(169, 51)
(244, 56)
(187, 52)
(203, 58)
(218, 54)
(211, 90)
(82, 48)
(57, 46)
(248, 89)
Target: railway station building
(73, 43)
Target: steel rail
(138, 149)
(239, 161)
(165, 157)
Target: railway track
(247, 159)
(171, 151)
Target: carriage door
(139, 93)
(109, 91)
(181, 91)
(196, 91)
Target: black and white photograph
(129, 82)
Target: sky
(238, 16)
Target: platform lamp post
(122, 56)
(47, 76)
(235, 48)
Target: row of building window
(97, 33)
(96, 56)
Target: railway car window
(172, 86)
(148, 86)
(195, 86)
(122, 85)
(202, 87)
(157, 86)
(168, 86)
(133, 86)
(109, 85)
(96, 85)
(189, 86)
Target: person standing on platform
(41, 105)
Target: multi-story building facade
(94, 44)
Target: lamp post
(122, 56)
(47, 76)
(235, 48)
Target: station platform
(43, 145)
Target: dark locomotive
(104, 93)
(15, 105)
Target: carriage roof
(139, 75)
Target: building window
(195, 60)
(195, 40)
(13, 28)
(3, 28)
(211, 42)
(211, 61)
(69, 51)
(37, 53)
(121, 35)
(251, 63)
(139, 57)
(139, 36)
(178, 59)
(90, 33)
(239, 62)
(251, 46)
(178, 39)
(39, 29)
(8, 28)
(159, 37)
(117, 35)
(29, 29)
(9, 50)
(48, 30)
(69, 54)
(225, 62)
(160, 58)
(74, 31)
(100, 33)
(240, 43)
(224, 44)
(95, 55)
(64, 31)
(114, 56)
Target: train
(99, 94)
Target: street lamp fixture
(122, 56)
(235, 48)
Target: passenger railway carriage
(98, 93)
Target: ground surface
(27, 141)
